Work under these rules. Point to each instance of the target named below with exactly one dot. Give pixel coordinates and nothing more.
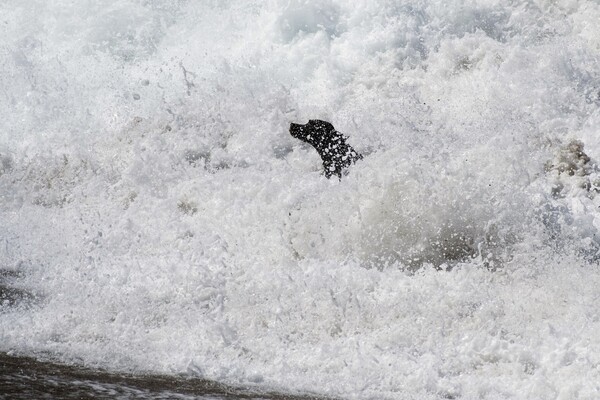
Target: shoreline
(26, 378)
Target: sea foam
(163, 220)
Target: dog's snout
(295, 129)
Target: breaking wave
(158, 217)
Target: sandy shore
(27, 378)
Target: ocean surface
(157, 219)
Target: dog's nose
(295, 129)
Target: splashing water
(158, 217)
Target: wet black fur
(331, 145)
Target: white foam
(167, 222)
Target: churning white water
(154, 205)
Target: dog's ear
(320, 124)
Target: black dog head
(316, 132)
(329, 143)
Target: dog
(331, 145)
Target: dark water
(26, 378)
